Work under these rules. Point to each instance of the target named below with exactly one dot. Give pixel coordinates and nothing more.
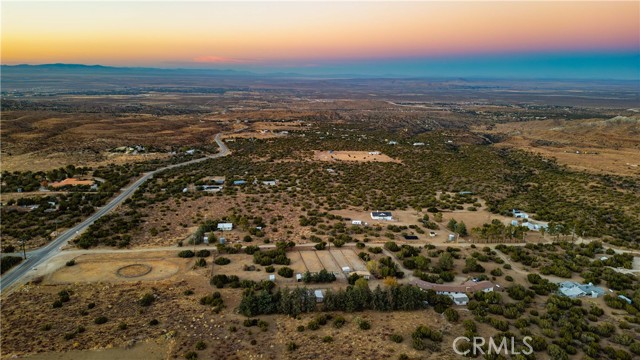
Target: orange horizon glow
(152, 33)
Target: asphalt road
(41, 255)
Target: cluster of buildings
(457, 293)
(574, 290)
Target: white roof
(319, 294)
(460, 296)
(574, 291)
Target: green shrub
(100, 320)
(122, 326)
(339, 322)
(154, 322)
(201, 345)
(291, 346)
(397, 338)
(327, 339)
(191, 355)
(286, 272)
(147, 299)
(222, 261)
(203, 253)
(70, 263)
(364, 325)
(186, 254)
(201, 262)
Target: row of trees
(359, 297)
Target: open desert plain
(187, 205)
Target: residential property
(190, 151)
(519, 214)
(356, 222)
(239, 182)
(418, 144)
(574, 290)
(211, 188)
(270, 182)
(225, 226)
(458, 293)
(381, 215)
(392, 142)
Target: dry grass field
(606, 146)
(45, 140)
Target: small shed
(319, 295)
(410, 237)
(356, 222)
(298, 277)
(346, 269)
(272, 278)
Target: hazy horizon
(530, 40)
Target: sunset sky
(447, 38)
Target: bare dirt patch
(120, 268)
(356, 156)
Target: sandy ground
(149, 350)
(54, 160)
(357, 156)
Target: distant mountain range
(113, 69)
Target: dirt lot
(357, 156)
(111, 268)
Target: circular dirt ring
(134, 270)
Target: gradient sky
(448, 38)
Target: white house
(381, 215)
(519, 214)
(458, 293)
(225, 226)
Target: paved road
(41, 255)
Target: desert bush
(186, 254)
